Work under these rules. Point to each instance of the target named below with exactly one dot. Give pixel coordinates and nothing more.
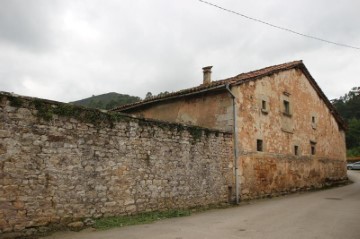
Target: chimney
(207, 75)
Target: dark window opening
(296, 150)
(263, 105)
(313, 122)
(313, 150)
(286, 107)
(259, 145)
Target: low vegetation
(143, 218)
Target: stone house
(287, 135)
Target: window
(263, 102)
(313, 148)
(313, 122)
(263, 105)
(286, 107)
(259, 145)
(296, 150)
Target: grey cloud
(81, 48)
(26, 24)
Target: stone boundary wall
(60, 163)
(269, 175)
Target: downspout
(235, 139)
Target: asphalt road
(332, 213)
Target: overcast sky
(67, 50)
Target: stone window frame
(260, 145)
(264, 106)
(286, 104)
(296, 150)
(312, 147)
(286, 107)
(313, 121)
(263, 102)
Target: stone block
(129, 202)
(131, 208)
(5, 134)
(76, 226)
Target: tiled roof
(239, 79)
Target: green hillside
(349, 108)
(106, 101)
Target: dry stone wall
(60, 163)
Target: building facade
(287, 134)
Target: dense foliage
(107, 101)
(349, 108)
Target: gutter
(235, 139)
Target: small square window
(296, 150)
(259, 145)
(286, 107)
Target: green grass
(143, 218)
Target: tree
(111, 104)
(148, 95)
(348, 107)
(353, 134)
(163, 93)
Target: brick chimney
(207, 74)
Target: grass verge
(143, 218)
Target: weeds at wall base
(149, 217)
(143, 218)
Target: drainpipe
(235, 139)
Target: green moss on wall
(15, 101)
(46, 111)
(196, 133)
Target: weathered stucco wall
(277, 168)
(212, 110)
(59, 163)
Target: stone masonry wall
(277, 168)
(60, 163)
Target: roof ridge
(265, 69)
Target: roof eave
(218, 87)
(322, 95)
